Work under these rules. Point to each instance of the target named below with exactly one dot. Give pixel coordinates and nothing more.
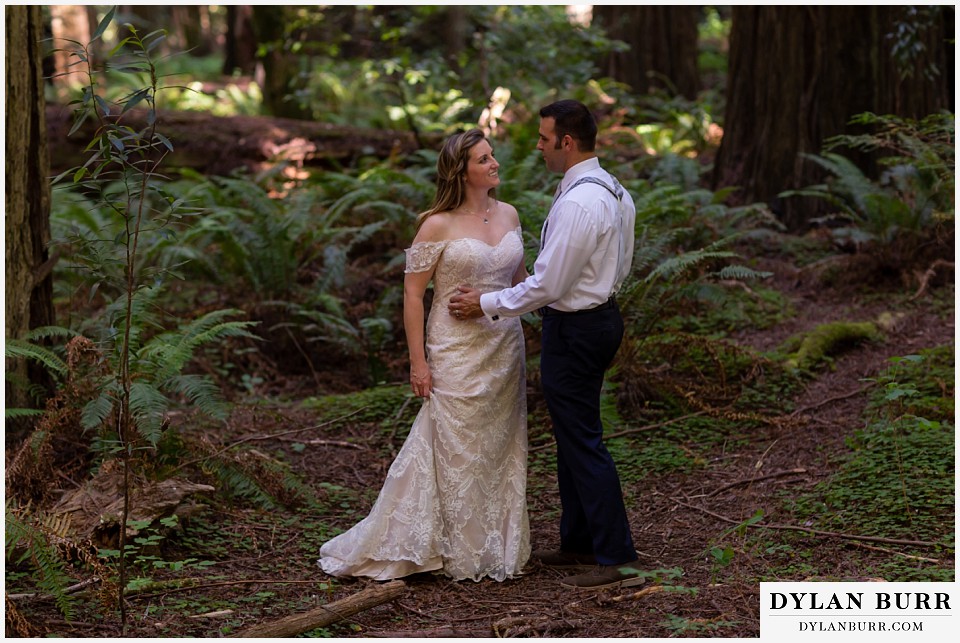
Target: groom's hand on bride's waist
(465, 304)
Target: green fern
(266, 483)
(15, 348)
(912, 196)
(159, 364)
(13, 414)
(22, 534)
(240, 484)
(25, 349)
(661, 279)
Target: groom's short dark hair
(573, 118)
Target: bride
(454, 500)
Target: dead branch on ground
(326, 614)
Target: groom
(586, 248)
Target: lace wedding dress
(455, 497)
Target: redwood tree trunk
(280, 67)
(240, 42)
(797, 74)
(29, 285)
(191, 24)
(663, 46)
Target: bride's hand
(420, 381)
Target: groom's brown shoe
(563, 559)
(607, 577)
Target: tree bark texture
(280, 67)
(29, 286)
(663, 47)
(797, 74)
(191, 26)
(218, 145)
(240, 42)
(327, 614)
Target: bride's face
(482, 167)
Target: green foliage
(426, 91)
(264, 241)
(661, 281)
(144, 554)
(117, 234)
(159, 363)
(908, 47)
(678, 127)
(898, 215)
(897, 480)
(233, 99)
(264, 482)
(118, 245)
(26, 539)
(920, 156)
(714, 33)
(557, 56)
(375, 404)
(15, 349)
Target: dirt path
(677, 519)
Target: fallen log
(326, 614)
(218, 145)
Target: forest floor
(262, 565)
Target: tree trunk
(29, 285)
(456, 33)
(663, 47)
(796, 76)
(240, 42)
(279, 66)
(191, 24)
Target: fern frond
(344, 204)
(148, 406)
(49, 332)
(235, 480)
(52, 577)
(650, 247)
(96, 411)
(15, 348)
(741, 273)
(13, 414)
(680, 264)
(170, 352)
(202, 392)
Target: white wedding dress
(455, 497)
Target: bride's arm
(520, 274)
(414, 288)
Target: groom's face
(553, 155)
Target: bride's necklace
(485, 216)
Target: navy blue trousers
(576, 350)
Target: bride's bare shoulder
(436, 227)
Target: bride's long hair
(452, 173)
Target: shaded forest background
(206, 208)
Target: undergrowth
(897, 481)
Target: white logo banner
(858, 611)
